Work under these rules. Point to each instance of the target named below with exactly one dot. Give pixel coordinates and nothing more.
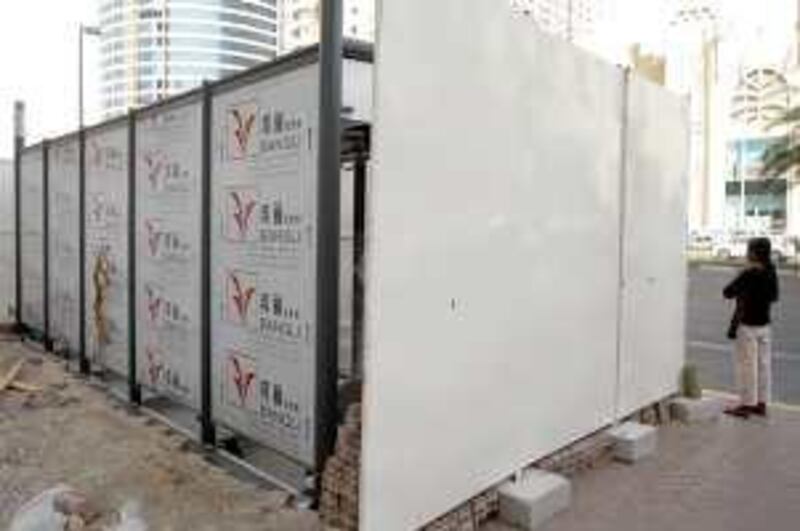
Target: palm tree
(782, 158)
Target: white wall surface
(7, 243)
(107, 235)
(653, 311)
(64, 218)
(168, 239)
(263, 260)
(493, 259)
(32, 227)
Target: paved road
(712, 352)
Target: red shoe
(741, 412)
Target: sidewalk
(74, 433)
(732, 475)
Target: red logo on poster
(243, 122)
(153, 305)
(240, 296)
(153, 238)
(242, 377)
(154, 165)
(154, 366)
(242, 212)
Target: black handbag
(736, 318)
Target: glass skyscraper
(151, 49)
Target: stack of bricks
(584, 455)
(655, 414)
(470, 516)
(339, 499)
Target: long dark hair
(760, 250)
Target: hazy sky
(39, 53)
(39, 64)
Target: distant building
(692, 43)
(574, 20)
(301, 22)
(649, 66)
(736, 62)
(754, 201)
(151, 49)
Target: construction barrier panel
(654, 274)
(499, 254)
(263, 241)
(168, 249)
(106, 268)
(32, 240)
(7, 243)
(64, 241)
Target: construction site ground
(71, 432)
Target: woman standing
(755, 290)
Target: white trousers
(754, 364)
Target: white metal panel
(107, 247)
(654, 270)
(493, 255)
(32, 221)
(357, 90)
(263, 288)
(64, 175)
(168, 229)
(7, 242)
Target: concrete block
(633, 441)
(534, 499)
(694, 410)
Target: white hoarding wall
(7, 242)
(32, 228)
(64, 240)
(653, 312)
(495, 255)
(264, 182)
(168, 229)
(107, 247)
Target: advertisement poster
(32, 229)
(107, 247)
(64, 175)
(168, 228)
(264, 182)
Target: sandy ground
(74, 433)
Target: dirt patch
(69, 432)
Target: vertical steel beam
(48, 343)
(134, 389)
(208, 434)
(328, 204)
(83, 359)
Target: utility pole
(87, 30)
(570, 26)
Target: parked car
(701, 243)
(783, 247)
(735, 247)
(732, 247)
